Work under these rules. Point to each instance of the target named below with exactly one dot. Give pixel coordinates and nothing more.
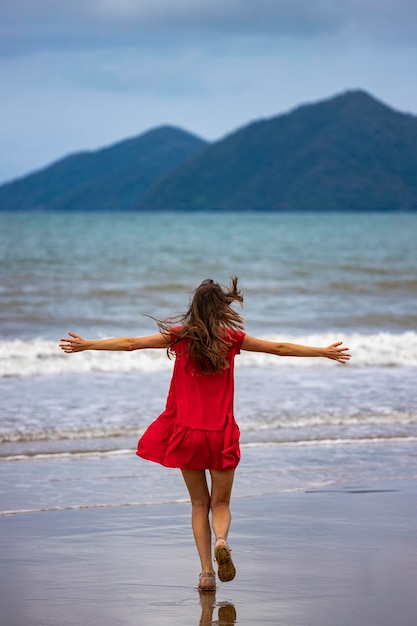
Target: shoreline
(344, 554)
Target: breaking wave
(40, 357)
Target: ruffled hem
(185, 448)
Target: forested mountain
(112, 178)
(350, 152)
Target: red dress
(197, 430)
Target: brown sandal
(226, 571)
(207, 581)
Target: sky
(84, 74)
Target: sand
(345, 556)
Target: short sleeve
(174, 334)
(237, 337)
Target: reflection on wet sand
(226, 611)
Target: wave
(99, 434)
(80, 507)
(18, 436)
(40, 357)
(332, 441)
(67, 454)
(318, 441)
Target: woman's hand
(336, 353)
(76, 344)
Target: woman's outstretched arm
(335, 351)
(75, 343)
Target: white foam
(348, 441)
(39, 357)
(80, 507)
(81, 454)
(68, 434)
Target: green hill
(350, 152)
(113, 178)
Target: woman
(197, 431)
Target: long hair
(209, 314)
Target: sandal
(226, 571)
(207, 581)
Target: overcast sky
(82, 74)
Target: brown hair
(209, 313)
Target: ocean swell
(40, 357)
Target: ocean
(69, 423)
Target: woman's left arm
(336, 351)
(77, 344)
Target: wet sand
(340, 556)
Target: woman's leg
(221, 491)
(196, 483)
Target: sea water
(69, 423)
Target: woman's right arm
(335, 351)
(75, 343)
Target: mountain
(350, 152)
(113, 178)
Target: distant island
(347, 153)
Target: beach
(344, 555)
(324, 497)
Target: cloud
(85, 73)
(50, 24)
(232, 16)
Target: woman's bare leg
(221, 491)
(196, 483)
